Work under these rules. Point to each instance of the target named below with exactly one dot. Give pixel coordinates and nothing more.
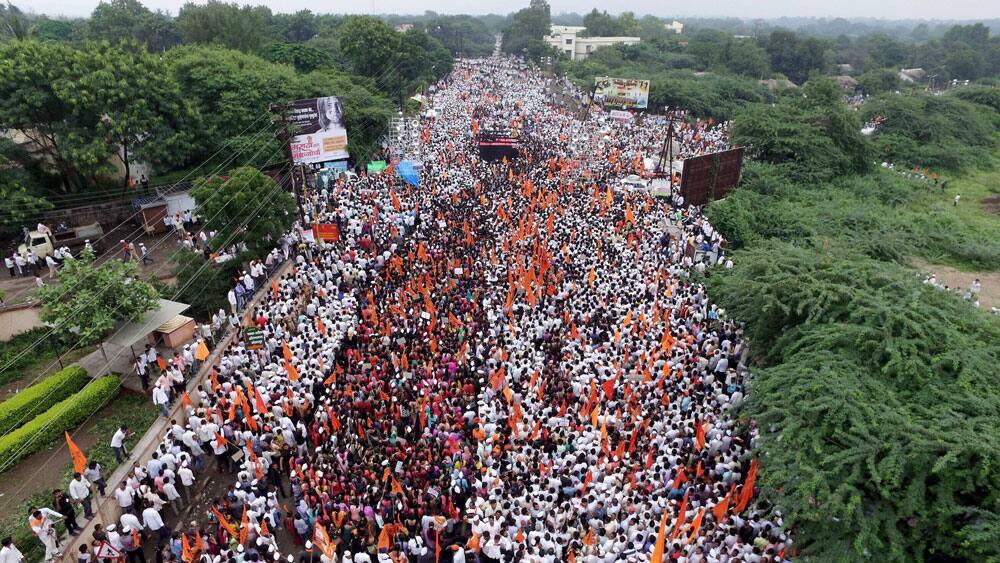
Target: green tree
(531, 24)
(600, 24)
(124, 20)
(464, 36)
(891, 446)
(370, 45)
(244, 28)
(879, 81)
(793, 56)
(296, 28)
(89, 298)
(87, 106)
(244, 207)
(303, 57)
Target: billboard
(320, 134)
(621, 93)
(710, 177)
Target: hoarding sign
(621, 93)
(320, 134)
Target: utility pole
(284, 133)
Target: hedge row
(49, 426)
(34, 400)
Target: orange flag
(592, 276)
(589, 538)
(202, 352)
(681, 477)
(259, 401)
(322, 541)
(293, 373)
(286, 351)
(661, 539)
(263, 527)
(696, 525)
(720, 510)
(244, 529)
(79, 460)
(395, 202)
(681, 516)
(186, 553)
(225, 523)
(747, 492)
(384, 541)
(274, 288)
(699, 435)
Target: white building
(565, 39)
(675, 26)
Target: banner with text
(320, 134)
(621, 93)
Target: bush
(24, 406)
(49, 426)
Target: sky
(886, 9)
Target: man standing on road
(79, 491)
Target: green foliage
(120, 21)
(988, 96)
(879, 81)
(33, 400)
(245, 207)
(464, 36)
(880, 396)
(795, 57)
(881, 215)
(89, 299)
(303, 57)
(370, 45)
(244, 28)
(21, 206)
(84, 105)
(942, 132)
(131, 410)
(49, 426)
(810, 136)
(601, 24)
(528, 27)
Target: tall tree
(87, 106)
(245, 207)
(124, 20)
(528, 28)
(245, 28)
(91, 298)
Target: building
(675, 26)
(565, 38)
(912, 74)
(404, 27)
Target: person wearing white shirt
(132, 521)
(151, 519)
(170, 490)
(79, 491)
(162, 400)
(123, 494)
(43, 526)
(9, 552)
(187, 480)
(118, 443)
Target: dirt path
(957, 279)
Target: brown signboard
(710, 177)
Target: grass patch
(128, 409)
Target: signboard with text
(320, 134)
(621, 93)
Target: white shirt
(186, 475)
(79, 489)
(11, 554)
(124, 497)
(118, 439)
(151, 519)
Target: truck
(45, 243)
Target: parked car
(45, 243)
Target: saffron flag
(202, 352)
(661, 539)
(79, 460)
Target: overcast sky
(888, 9)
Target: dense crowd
(508, 362)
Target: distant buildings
(912, 74)
(675, 26)
(565, 39)
(404, 27)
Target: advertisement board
(710, 177)
(619, 115)
(326, 231)
(621, 93)
(320, 134)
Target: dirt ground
(956, 279)
(992, 204)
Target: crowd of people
(507, 362)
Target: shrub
(14, 359)
(49, 426)
(36, 399)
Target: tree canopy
(90, 298)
